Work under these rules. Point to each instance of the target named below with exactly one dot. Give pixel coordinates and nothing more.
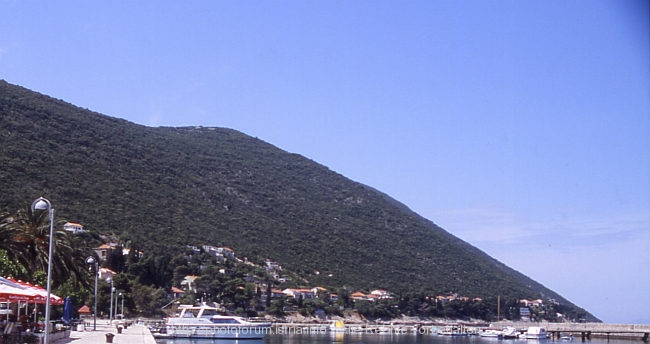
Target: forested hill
(159, 189)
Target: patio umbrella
(13, 294)
(39, 294)
(68, 311)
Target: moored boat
(207, 322)
(337, 326)
(535, 332)
(510, 333)
(491, 333)
(454, 331)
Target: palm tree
(31, 234)
(8, 248)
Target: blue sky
(522, 127)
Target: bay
(340, 338)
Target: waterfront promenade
(586, 330)
(134, 334)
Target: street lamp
(43, 204)
(110, 313)
(115, 309)
(122, 295)
(93, 261)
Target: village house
(381, 294)
(305, 294)
(177, 293)
(359, 296)
(126, 251)
(271, 266)
(277, 293)
(531, 303)
(188, 283)
(105, 273)
(102, 251)
(72, 227)
(222, 253)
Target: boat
(535, 332)
(208, 322)
(337, 326)
(510, 332)
(454, 331)
(488, 333)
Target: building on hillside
(126, 251)
(381, 294)
(222, 253)
(277, 293)
(305, 294)
(103, 250)
(105, 273)
(446, 298)
(188, 283)
(272, 266)
(359, 296)
(320, 292)
(177, 292)
(74, 228)
(531, 303)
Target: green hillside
(163, 188)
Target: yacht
(207, 322)
(535, 332)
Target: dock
(586, 330)
(134, 334)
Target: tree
(277, 306)
(147, 300)
(9, 248)
(115, 259)
(26, 237)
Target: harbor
(140, 333)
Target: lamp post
(93, 261)
(43, 204)
(110, 312)
(122, 295)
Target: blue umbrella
(68, 311)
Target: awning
(14, 290)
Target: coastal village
(265, 293)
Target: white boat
(454, 331)
(535, 332)
(207, 322)
(510, 333)
(491, 333)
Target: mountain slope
(163, 188)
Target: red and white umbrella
(15, 290)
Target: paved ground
(134, 334)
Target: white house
(72, 227)
(188, 282)
(381, 294)
(306, 294)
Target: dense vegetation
(157, 190)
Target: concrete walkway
(134, 334)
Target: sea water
(341, 338)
